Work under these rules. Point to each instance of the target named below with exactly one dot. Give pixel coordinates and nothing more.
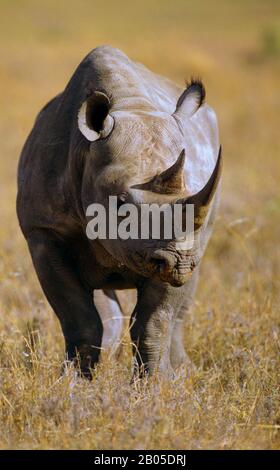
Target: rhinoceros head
(136, 153)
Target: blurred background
(234, 46)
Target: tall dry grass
(232, 334)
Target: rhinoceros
(119, 130)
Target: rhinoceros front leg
(152, 326)
(70, 298)
(178, 355)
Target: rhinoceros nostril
(162, 262)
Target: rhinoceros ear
(94, 120)
(190, 100)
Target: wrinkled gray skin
(61, 172)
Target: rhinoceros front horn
(202, 199)
(94, 120)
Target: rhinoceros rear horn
(94, 120)
(170, 181)
(202, 199)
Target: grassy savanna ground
(232, 399)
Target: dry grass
(232, 400)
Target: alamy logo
(142, 221)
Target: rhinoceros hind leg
(111, 315)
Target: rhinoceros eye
(121, 199)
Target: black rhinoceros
(118, 130)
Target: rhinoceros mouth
(164, 266)
(175, 278)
